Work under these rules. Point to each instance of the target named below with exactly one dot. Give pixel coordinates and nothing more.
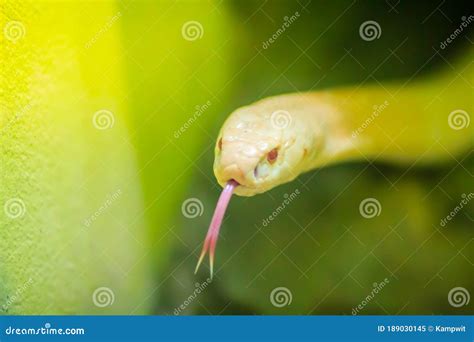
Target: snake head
(262, 146)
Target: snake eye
(219, 144)
(272, 156)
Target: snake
(421, 120)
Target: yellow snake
(272, 141)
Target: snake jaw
(213, 232)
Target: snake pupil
(272, 156)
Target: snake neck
(422, 121)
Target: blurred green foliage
(75, 186)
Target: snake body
(274, 140)
(402, 122)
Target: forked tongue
(213, 231)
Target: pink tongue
(213, 231)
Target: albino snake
(274, 140)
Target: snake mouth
(243, 185)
